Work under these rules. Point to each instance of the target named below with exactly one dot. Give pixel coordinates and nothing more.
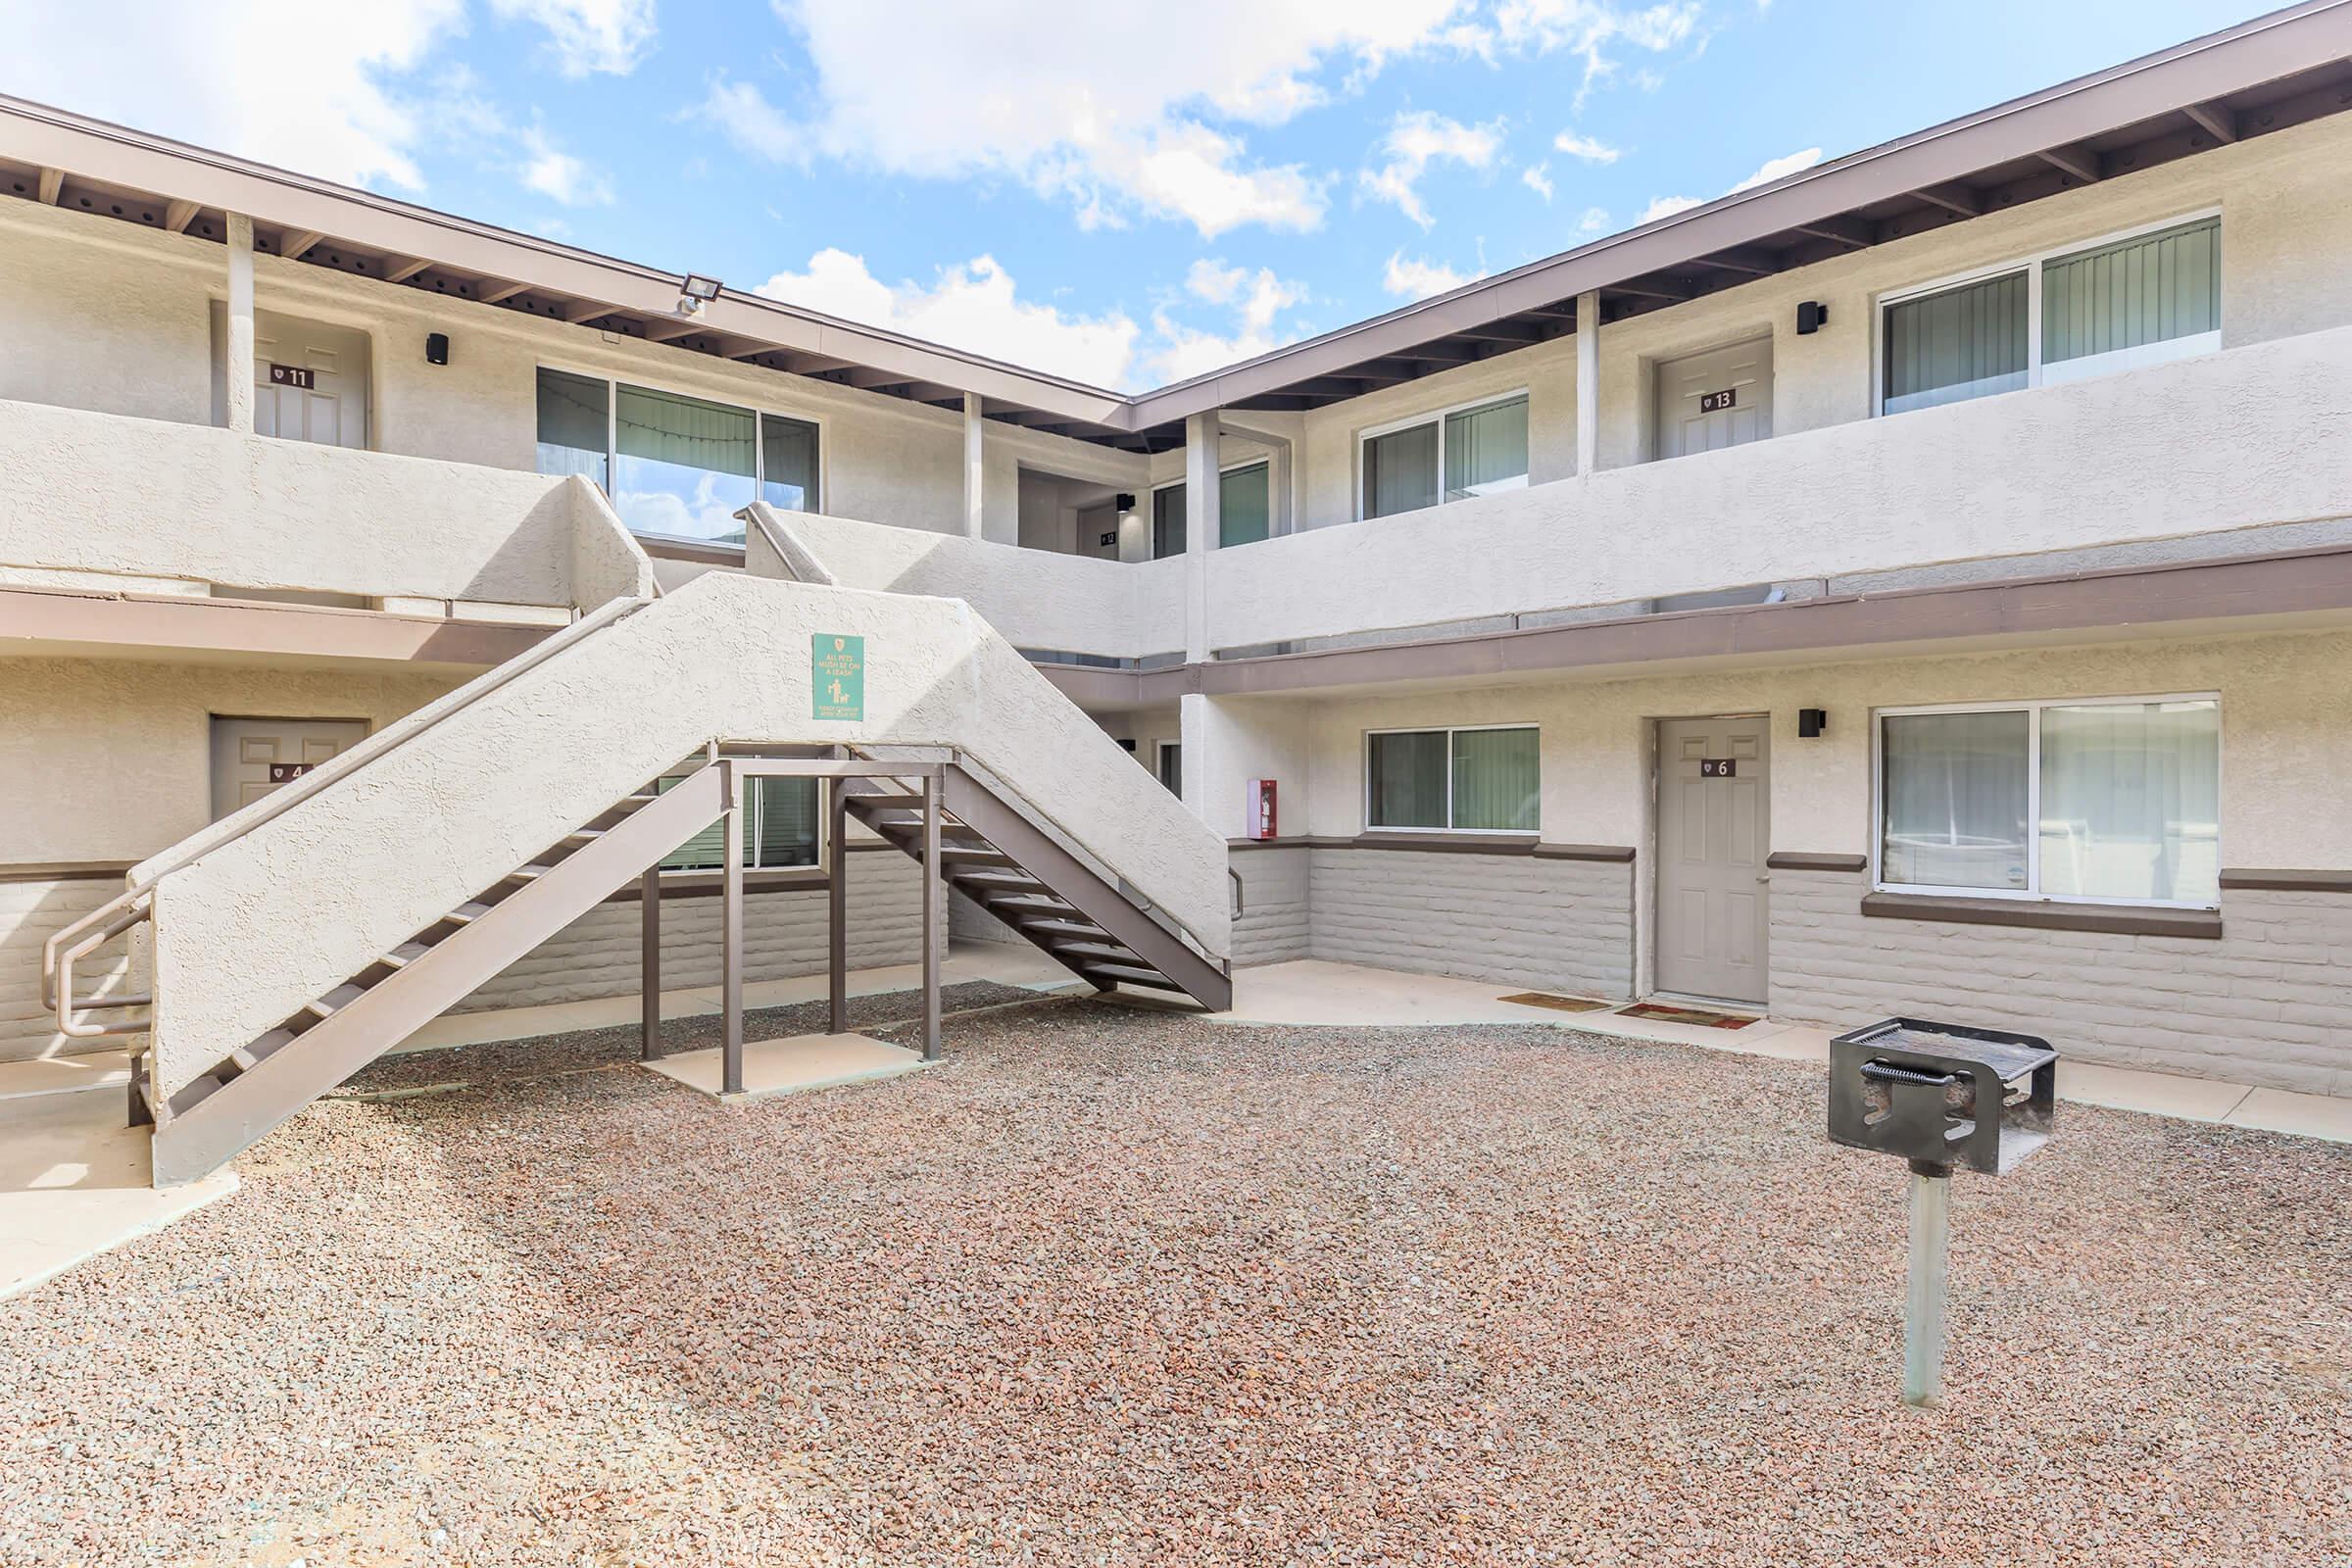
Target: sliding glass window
(676, 468)
(1452, 456)
(779, 830)
(2138, 300)
(2114, 800)
(1245, 510)
(1487, 780)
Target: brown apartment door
(1714, 826)
(251, 757)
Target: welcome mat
(1544, 999)
(1699, 1016)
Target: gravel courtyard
(1123, 1287)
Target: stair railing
(136, 904)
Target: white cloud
(1779, 169)
(589, 35)
(1594, 221)
(1417, 280)
(972, 306)
(1590, 149)
(741, 113)
(1538, 178)
(1259, 300)
(1416, 140)
(1107, 105)
(1774, 169)
(312, 87)
(555, 174)
(1591, 28)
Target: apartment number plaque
(1717, 767)
(288, 772)
(299, 377)
(1717, 401)
(837, 677)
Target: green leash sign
(836, 676)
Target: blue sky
(1123, 193)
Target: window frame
(1159, 764)
(758, 412)
(2033, 264)
(2032, 709)
(1439, 416)
(823, 861)
(1273, 519)
(1449, 731)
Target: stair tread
(1132, 974)
(407, 953)
(1015, 878)
(464, 913)
(529, 873)
(1107, 951)
(1074, 928)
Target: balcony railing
(2230, 440)
(183, 507)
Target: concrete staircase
(295, 941)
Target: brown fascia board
(2255, 52)
(2198, 72)
(2284, 582)
(168, 622)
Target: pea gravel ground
(1122, 1286)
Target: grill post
(732, 933)
(837, 904)
(932, 886)
(1923, 1301)
(649, 908)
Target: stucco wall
(2236, 439)
(32, 911)
(2286, 720)
(1276, 920)
(1037, 597)
(2285, 229)
(156, 499)
(2270, 1002)
(98, 315)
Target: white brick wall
(30, 912)
(783, 935)
(2270, 1002)
(1274, 924)
(1547, 924)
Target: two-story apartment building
(1923, 583)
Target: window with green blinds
(1463, 780)
(1965, 342)
(2152, 289)
(1244, 504)
(1167, 521)
(779, 829)
(1486, 450)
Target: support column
(975, 468)
(1587, 383)
(238, 349)
(649, 914)
(932, 923)
(1203, 523)
(1191, 735)
(731, 935)
(837, 905)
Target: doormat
(1691, 1015)
(1544, 999)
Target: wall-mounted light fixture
(1123, 502)
(696, 292)
(1810, 314)
(1811, 721)
(437, 348)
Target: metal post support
(649, 915)
(731, 935)
(1922, 1304)
(932, 886)
(837, 907)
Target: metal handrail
(136, 903)
(1239, 909)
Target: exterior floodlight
(696, 292)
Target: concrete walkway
(1309, 992)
